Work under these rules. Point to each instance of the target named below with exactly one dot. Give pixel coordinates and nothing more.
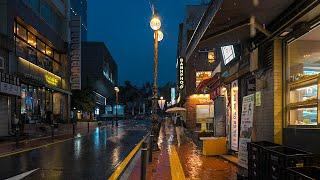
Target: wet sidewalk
(186, 161)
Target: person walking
(178, 127)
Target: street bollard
(73, 128)
(52, 132)
(88, 127)
(150, 147)
(144, 153)
(17, 136)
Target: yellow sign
(258, 98)
(51, 80)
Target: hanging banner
(234, 115)
(246, 129)
(75, 54)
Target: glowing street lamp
(160, 35)
(116, 89)
(161, 103)
(155, 23)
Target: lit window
(22, 32)
(32, 40)
(49, 51)
(41, 46)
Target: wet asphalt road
(94, 156)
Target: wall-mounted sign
(181, 73)
(246, 129)
(173, 96)
(234, 115)
(228, 53)
(9, 84)
(202, 75)
(211, 56)
(51, 80)
(75, 54)
(258, 98)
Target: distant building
(79, 8)
(34, 61)
(99, 73)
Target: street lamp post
(117, 102)
(155, 24)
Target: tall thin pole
(155, 75)
(117, 102)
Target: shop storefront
(9, 95)
(302, 69)
(43, 87)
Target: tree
(83, 100)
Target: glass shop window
(303, 66)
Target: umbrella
(175, 110)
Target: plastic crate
(283, 157)
(257, 159)
(303, 173)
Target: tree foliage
(83, 100)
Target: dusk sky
(124, 27)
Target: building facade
(100, 74)
(273, 58)
(35, 59)
(79, 8)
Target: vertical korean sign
(246, 128)
(75, 54)
(234, 115)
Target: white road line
(23, 175)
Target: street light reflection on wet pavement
(194, 164)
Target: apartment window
(32, 39)
(22, 32)
(56, 56)
(49, 51)
(41, 46)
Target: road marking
(177, 172)
(38, 147)
(23, 175)
(41, 146)
(116, 174)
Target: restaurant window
(22, 32)
(41, 46)
(32, 39)
(303, 69)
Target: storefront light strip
(38, 67)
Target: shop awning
(236, 21)
(210, 86)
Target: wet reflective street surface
(194, 164)
(94, 156)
